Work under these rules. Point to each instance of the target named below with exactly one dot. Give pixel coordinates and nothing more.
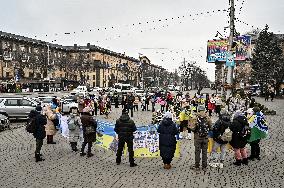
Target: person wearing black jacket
(39, 134)
(129, 102)
(239, 141)
(218, 130)
(125, 127)
(89, 125)
(167, 139)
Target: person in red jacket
(211, 107)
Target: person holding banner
(167, 139)
(125, 127)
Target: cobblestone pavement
(64, 168)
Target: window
(11, 102)
(94, 77)
(25, 102)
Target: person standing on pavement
(259, 130)
(39, 134)
(74, 123)
(167, 139)
(239, 138)
(125, 127)
(129, 102)
(200, 125)
(89, 125)
(221, 125)
(50, 127)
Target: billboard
(217, 49)
(243, 47)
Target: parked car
(16, 107)
(4, 122)
(69, 106)
(140, 93)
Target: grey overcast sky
(165, 42)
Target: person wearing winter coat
(218, 130)
(125, 127)
(167, 139)
(50, 127)
(39, 134)
(200, 137)
(89, 125)
(74, 123)
(259, 131)
(200, 125)
(239, 141)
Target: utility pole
(231, 37)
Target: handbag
(89, 130)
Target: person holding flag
(259, 130)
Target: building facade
(24, 60)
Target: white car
(69, 106)
(140, 92)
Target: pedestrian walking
(201, 125)
(125, 127)
(167, 139)
(89, 126)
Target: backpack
(72, 124)
(227, 135)
(31, 125)
(202, 127)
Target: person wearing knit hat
(167, 139)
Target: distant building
(24, 60)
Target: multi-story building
(152, 75)
(24, 59)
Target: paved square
(64, 168)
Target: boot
(133, 164)
(118, 161)
(90, 155)
(251, 158)
(245, 161)
(238, 162)
(38, 157)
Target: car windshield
(117, 87)
(139, 91)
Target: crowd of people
(177, 117)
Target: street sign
(230, 60)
